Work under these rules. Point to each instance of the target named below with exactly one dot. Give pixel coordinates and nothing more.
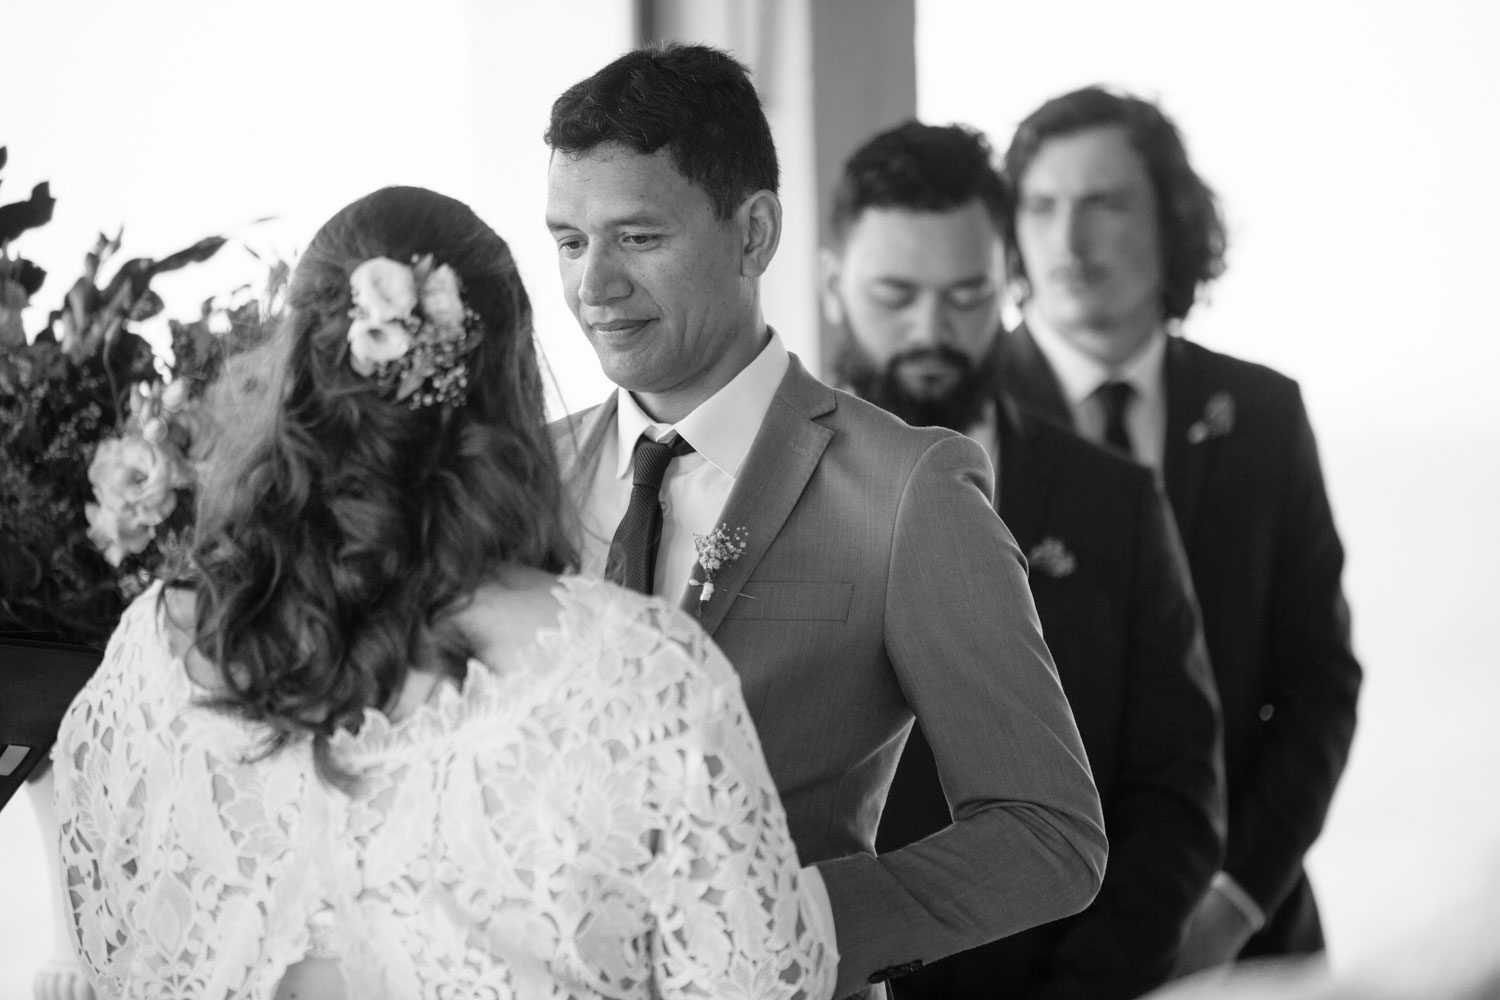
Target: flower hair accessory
(717, 549)
(411, 330)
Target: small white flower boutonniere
(1052, 557)
(1217, 420)
(717, 549)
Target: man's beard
(958, 407)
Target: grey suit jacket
(878, 583)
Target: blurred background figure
(913, 281)
(1110, 239)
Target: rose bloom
(117, 534)
(383, 290)
(174, 395)
(440, 301)
(134, 478)
(372, 343)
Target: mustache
(1076, 271)
(942, 353)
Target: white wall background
(1356, 148)
(179, 119)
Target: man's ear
(760, 221)
(829, 266)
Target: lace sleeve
(734, 918)
(97, 773)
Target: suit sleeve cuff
(1224, 884)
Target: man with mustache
(1111, 235)
(913, 282)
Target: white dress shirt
(696, 486)
(1080, 375)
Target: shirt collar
(1080, 375)
(723, 426)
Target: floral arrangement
(411, 330)
(717, 549)
(100, 440)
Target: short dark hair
(695, 101)
(923, 168)
(1193, 238)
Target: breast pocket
(800, 601)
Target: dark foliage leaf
(20, 216)
(28, 275)
(195, 254)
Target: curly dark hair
(1193, 238)
(924, 168)
(695, 101)
(337, 525)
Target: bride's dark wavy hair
(337, 526)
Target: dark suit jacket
(1111, 586)
(878, 584)
(1247, 491)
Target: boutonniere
(717, 549)
(1217, 420)
(1052, 557)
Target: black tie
(1116, 397)
(632, 554)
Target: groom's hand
(1216, 932)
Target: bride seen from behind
(378, 741)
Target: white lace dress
(600, 823)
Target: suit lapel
(1026, 474)
(1025, 374)
(1183, 459)
(776, 471)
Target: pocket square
(1052, 557)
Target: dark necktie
(632, 553)
(1116, 397)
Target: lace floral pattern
(600, 823)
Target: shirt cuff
(818, 909)
(1224, 884)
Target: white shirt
(1080, 375)
(695, 487)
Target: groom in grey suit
(876, 583)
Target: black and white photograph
(751, 499)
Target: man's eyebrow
(906, 283)
(643, 217)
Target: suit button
(1266, 711)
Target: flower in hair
(411, 330)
